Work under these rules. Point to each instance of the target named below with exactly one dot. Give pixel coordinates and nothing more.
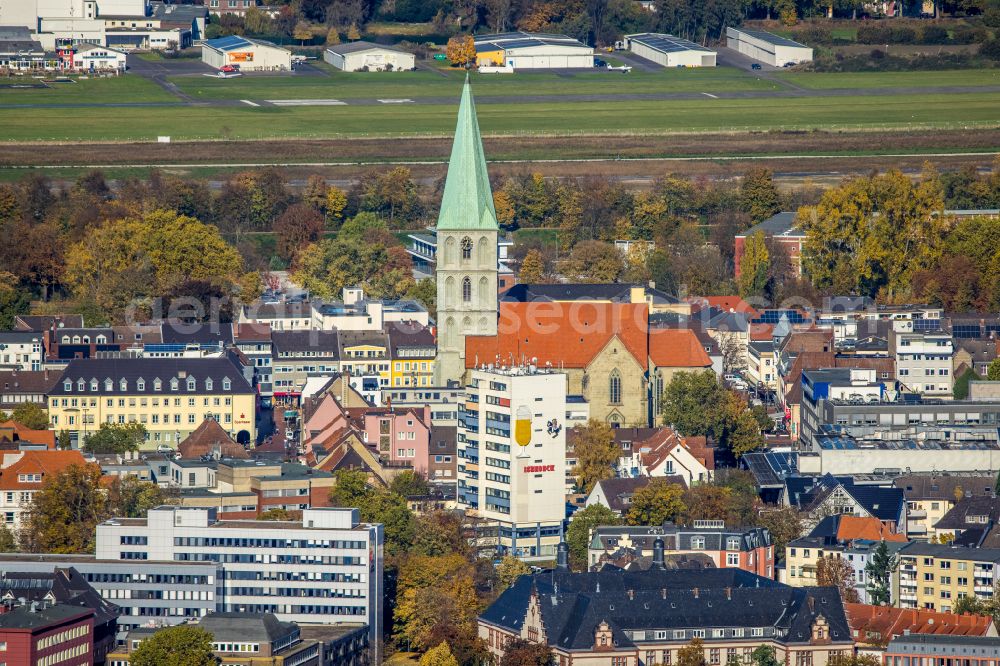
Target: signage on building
(241, 56)
(533, 469)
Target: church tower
(466, 248)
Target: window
(466, 248)
(732, 559)
(698, 543)
(191, 384)
(615, 388)
(466, 290)
(226, 385)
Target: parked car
(600, 63)
(756, 65)
(229, 69)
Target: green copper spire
(468, 200)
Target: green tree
(350, 488)
(755, 266)
(439, 655)
(596, 454)
(277, 514)
(396, 518)
(31, 415)
(879, 570)
(655, 503)
(13, 300)
(785, 525)
(439, 533)
(993, 370)
(759, 197)
(594, 261)
(183, 645)
(578, 532)
(435, 595)
(117, 438)
(8, 542)
(764, 655)
(694, 403)
(64, 441)
(131, 497)
(63, 515)
(509, 570)
(409, 483)
(520, 652)
(532, 268)
(461, 50)
(692, 654)
(961, 388)
(872, 233)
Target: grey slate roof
(574, 604)
(958, 516)
(326, 344)
(943, 486)
(149, 369)
(242, 627)
(524, 293)
(780, 224)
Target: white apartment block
(923, 359)
(519, 489)
(326, 569)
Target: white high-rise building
(512, 457)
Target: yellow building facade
(170, 397)
(936, 576)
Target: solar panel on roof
(926, 324)
(966, 331)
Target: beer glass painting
(522, 427)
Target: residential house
(748, 548)
(400, 436)
(22, 474)
(934, 576)
(873, 627)
(210, 439)
(298, 355)
(21, 350)
(930, 496)
(17, 387)
(922, 648)
(442, 455)
(667, 453)
(972, 521)
(828, 495)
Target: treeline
(597, 22)
(889, 237)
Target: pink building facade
(401, 436)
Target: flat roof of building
(665, 43)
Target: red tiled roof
(45, 463)
(677, 348)
(247, 332)
(46, 437)
(665, 440)
(887, 623)
(761, 331)
(208, 438)
(567, 334)
(871, 528)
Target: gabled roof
(211, 438)
(16, 432)
(971, 512)
(257, 627)
(58, 585)
(656, 448)
(843, 528)
(882, 623)
(677, 348)
(46, 322)
(252, 332)
(46, 463)
(565, 335)
(613, 292)
(467, 202)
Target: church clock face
(466, 248)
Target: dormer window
(68, 385)
(208, 384)
(174, 384)
(191, 384)
(226, 384)
(157, 384)
(93, 385)
(76, 339)
(140, 384)
(108, 385)
(80, 384)
(65, 339)
(123, 385)
(86, 339)
(101, 340)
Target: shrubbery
(879, 61)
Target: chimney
(562, 556)
(663, 592)
(631, 595)
(729, 594)
(812, 604)
(658, 554)
(695, 591)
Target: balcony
(916, 514)
(916, 529)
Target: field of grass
(380, 85)
(199, 123)
(83, 91)
(831, 80)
